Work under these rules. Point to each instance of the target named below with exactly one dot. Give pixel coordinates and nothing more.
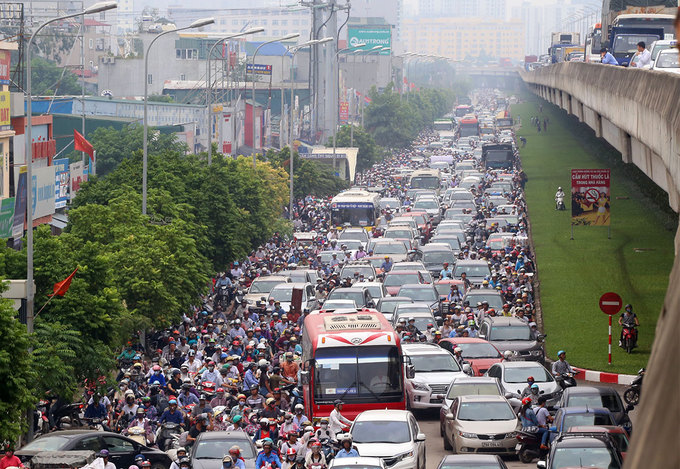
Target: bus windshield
(366, 374)
(627, 43)
(425, 182)
(647, 22)
(469, 130)
(462, 111)
(355, 215)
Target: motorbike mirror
(410, 371)
(449, 416)
(509, 395)
(541, 465)
(421, 437)
(467, 369)
(630, 407)
(541, 392)
(304, 377)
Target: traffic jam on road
(405, 298)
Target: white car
(429, 370)
(667, 61)
(357, 463)
(391, 435)
(512, 377)
(481, 424)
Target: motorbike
(328, 449)
(95, 424)
(632, 394)
(68, 416)
(629, 338)
(559, 202)
(529, 445)
(41, 423)
(168, 435)
(295, 395)
(566, 380)
(137, 434)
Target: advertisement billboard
(590, 197)
(370, 36)
(260, 69)
(77, 177)
(226, 133)
(344, 112)
(61, 182)
(20, 206)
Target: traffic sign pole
(610, 339)
(610, 304)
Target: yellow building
(458, 38)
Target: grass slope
(574, 274)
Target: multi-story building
(465, 38)
(487, 9)
(390, 11)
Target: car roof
(394, 299)
(436, 247)
(421, 286)
(578, 441)
(401, 272)
(505, 321)
(292, 285)
(469, 458)
(584, 410)
(217, 435)
(352, 288)
(482, 398)
(383, 414)
(596, 429)
(465, 340)
(591, 390)
(423, 348)
(521, 364)
(474, 379)
(471, 262)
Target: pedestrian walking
(524, 141)
(545, 125)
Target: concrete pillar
(569, 110)
(598, 125)
(626, 147)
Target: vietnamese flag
(60, 288)
(83, 145)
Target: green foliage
(369, 152)
(49, 80)
(161, 98)
(394, 120)
(18, 374)
(309, 177)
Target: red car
(480, 353)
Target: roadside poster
(226, 133)
(61, 182)
(77, 177)
(590, 197)
(5, 119)
(260, 69)
(43, 190)
(6, 217)
(5, 58)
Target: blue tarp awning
(276, 49)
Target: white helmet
(457, 350)
(507, 354)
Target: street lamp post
(336, 98)
(195, 24)
(284, 38)
(209, 83)
(28, 151)
(295, 50)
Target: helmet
(291, 452)
(140, 411)
(227, 460)
(140, 457)
(316, 444)
(235, 449)
(185, 462)
(526, 400)
(534, 386)
(457, 350)
(507, 354)
(337, 402)
(241, 396)
(346, 437)
(267, 442)
(561, 352)
(104, 453)
(270, 401)
(236, 419)
(146, 464)
(181, 449)
(156, 368)
(299, 407)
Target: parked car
(480, 353)
(570, 451)
(481, 424)
(512, 377)
(122, 450)
(599, 397)
(432, 369)
(392, 435)
(514, 335)
(210, 447)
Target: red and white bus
(463, 110)
(468, 126)
(355, 357)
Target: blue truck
(623, 41)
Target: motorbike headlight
(420, 387)
(467, 435)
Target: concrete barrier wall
(636, 111)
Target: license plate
(491, 444)
(518, 446)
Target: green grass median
(573, 274)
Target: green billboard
(371, 36)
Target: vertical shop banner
(77, 177)
(61, 182)
(344, 112)
(43, 192)
(590, 197)
(6, 217)
(20, 206)
(5, 59)
(226, 133)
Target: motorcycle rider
(561, 366)
(323, 432)
(267, 456)
(628, 319)
(527, 390)
(299, 418)
(559, 198)
(347, 450)
(544, 418)
(171, 414)
(337, 421)
(291, 456)
(235, 453)
(9, 459)
(315, 458)
(181, 453)
(140, 420)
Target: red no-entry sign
(610, 303)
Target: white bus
(356, 207)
